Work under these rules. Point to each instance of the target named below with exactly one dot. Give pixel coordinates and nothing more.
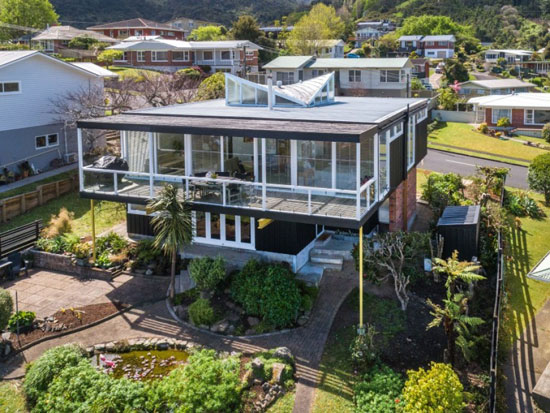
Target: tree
(396, 255)
(321, 23)
(546, 132)
(6, 308)
(456, 270)
(172, 225)
(83, 42)
(168, 89)
(448, 99)
(205, 33)
(109, 56)
(367, 49)
(416, 84)
(212, 87)
(442, 190)
(455, 71)
(539, 176)
(29, 13)
(246, 28)
(456, 323)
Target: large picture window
(159, 56)
(205, 154)
(278, 161)
(171, 154)
(537, 117)
(314, 164)
(383, 165)
(238, 156)
(285, 77)
(389, 76)
(501, 113)
(346, 165)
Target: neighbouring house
(540, 67)
(273, 32)
(511, 56)
(527, 111)
(421, 68)
(29, 131)
(55, 39)
(139, 27)
(270, 168)
(326, 48)
(473, 88)
(188, 25)
(360, 77)
(433, 46)
(233, 56)
(369, 30)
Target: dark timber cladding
(257, 128)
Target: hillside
(84, 13)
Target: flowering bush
(437, 389)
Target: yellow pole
(361, 325)
(93, 229)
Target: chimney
(270, 91)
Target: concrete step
(344, 254)
(317, 258)
(311, 274)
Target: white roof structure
(10, 57)
(139, 38)
(69, 33)
(541, 271)
(498, 83)
(515, 52)
(144, 43)
(311, 62)
(409, 38)
(439, 38)
(514, 100)
(313, 92)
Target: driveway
(45, 292)
(435, 80)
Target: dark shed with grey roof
(459, 226)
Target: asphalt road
(439, 161)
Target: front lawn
(107, 214)
(464, 137)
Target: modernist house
(55, 39)
(473, 88)
(155, 52)
(270, 167)
(29, 131)
(440, 46)
(357, 77)
(369, 30)
(510, 55)
(139, 27)
(529, 111)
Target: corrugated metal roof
(363, 63)
(69, 33)
(439, 38)
(13, 55)
(460, 215)
(498, 83)
(165, 44)
(288, 62)
(514, 100)
(95, 69)
(410, 37)
(518, 52)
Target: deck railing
(296, 199)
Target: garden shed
(459, 227)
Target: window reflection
(171, 154)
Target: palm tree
(172, 224)
(456, 270)
(455, 322)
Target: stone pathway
(306, 343)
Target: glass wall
(367, 159)
(137, 151)
(238, 156)
(383, 166)
(200, 225)
(346, 165)
(246, 228)
(314, 164)
(278, 162)
(206, 154)
(171, 154)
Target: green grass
(124, 72)
(525, 297)
(32, 187)
(421, 178)
(11, 399)
(464, 137)
(107, 214)
(284, 404)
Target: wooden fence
(19, 204)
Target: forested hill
(84, 13)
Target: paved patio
(45, 292)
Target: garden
(257, 299)
(427, 334)
(152, 375)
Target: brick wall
(405, 189)
(65, 264)
(517, 118)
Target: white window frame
(123, 33)
(138, 32)
(230, 55)
(48, 145)
(124, 57)
(208, 51)
(140, 55)
(493, 111)
(185, 56)
(353, 76)
(154, 56)
(384, 75)
(526, 117)
(19, 90)
(421, 115)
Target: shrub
(81, 251)
(379, 391)
(102, 260)
(22, 318)
(521, 204)
(503, 122)
(207, 272)
(60, 224)
(363, 349)
(498, 134)
(112, 243)
(546, 132)
(201, 312)
(82, 388)
(483, 128)
(539, 176)
(205, 384)
(246, 288)
(43, 371)
(435, 390)
(6, 308)
(442, 190)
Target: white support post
(255, 152)
(151, 166)
(116, 183)
(186, 188)
(80, 159)
(264, 175)
(224, 200)
(358, 180)
(309, 210)
(376, 165)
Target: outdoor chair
(18, 265)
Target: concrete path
(306, 343)
(36, 178)
(435, 80)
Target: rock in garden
(253, 321)
(302, 320)
(220, 326)
(149, 272)
(277, 375)
(257, 364)
(248, 379)
(283, 353)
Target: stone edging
(141, 343)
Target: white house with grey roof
(473, 88)
(431, 46)
(359, 77)
(29, 130)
